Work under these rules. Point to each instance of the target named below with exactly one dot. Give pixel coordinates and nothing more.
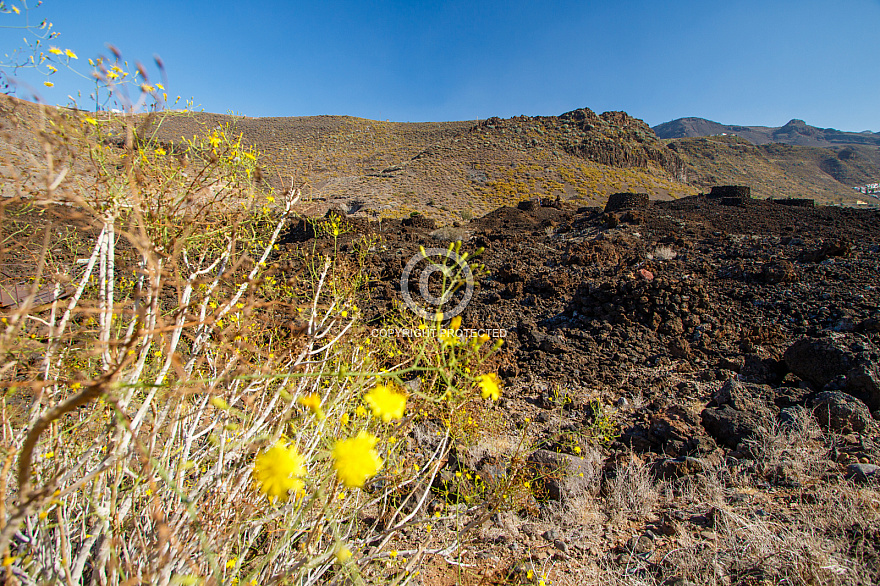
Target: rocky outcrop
(739, 411)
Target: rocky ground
(696, 386)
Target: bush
(177, 412)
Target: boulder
(848, 361)
(557, 475)
(863, 472)
(678, 467)
(739, 411)
(840, 412)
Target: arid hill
(453, 171)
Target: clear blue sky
(736, 62)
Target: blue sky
(736, 62)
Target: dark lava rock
(797, 202)
(863, 472)
(738, 411)
(778, 271)
(553, 472)
(420, 222)
(672, 432)
(678, 467)
(829, 248)
(625, 201)
(821, 361)
(836, 411)
(731, 191)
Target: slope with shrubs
(451, 170)
(827, 175)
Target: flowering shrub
(174, 428)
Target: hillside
(452, 171)
(780, 170)
(795, 132)
(455, 170)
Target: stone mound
(626, 201)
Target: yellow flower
(56, 51)
(278, 471)
(489, 386)
(112, 75)
(91, 120)
(52, 68)
(147, 88)
(313, 403)
(70, 54)
(344, 418)
(160, 86)
(160, 151)
(48, 83)
(355, 460)
(220, 403)
(360, 411)
(448, 338)
(342, 554)
(386, 402)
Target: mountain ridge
(795, 132)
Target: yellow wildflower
(355, 459)
(386, 402)
(489, 386)
(278, 471)
(160, 151)
(70, 54)
(56, 51)
(448, 338)
(313, 403)
(48, 83)
(112, 75)
(220, 403)
(342, 554)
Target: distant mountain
(796, 132)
